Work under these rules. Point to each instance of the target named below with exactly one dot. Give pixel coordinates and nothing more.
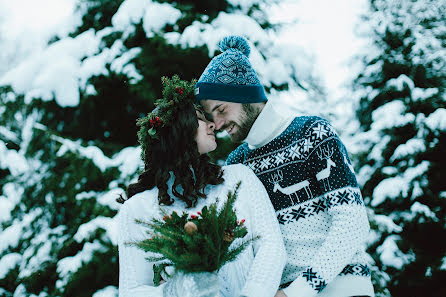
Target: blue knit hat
(229, 76)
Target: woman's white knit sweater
(256, 272)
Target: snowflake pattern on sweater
(312, 186)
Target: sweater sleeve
(342, 198)
(269, 251)
(236, 156)
(135, 272)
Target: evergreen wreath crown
(176, 92)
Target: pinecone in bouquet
(196, 245)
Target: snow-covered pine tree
(401, 92)
(68, 129)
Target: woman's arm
(135, 272)
(269, 251)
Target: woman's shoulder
(236, 169)
(142, 204)
(237, 172)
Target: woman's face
(205, 136)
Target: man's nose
(219, 122)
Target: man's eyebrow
(216, 106)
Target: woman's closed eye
(201, 116)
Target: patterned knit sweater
(312, 186)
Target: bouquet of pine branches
(196, 245)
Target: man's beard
(246, 121)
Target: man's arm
(236, 156)
(342, 198)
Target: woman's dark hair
(176, 151)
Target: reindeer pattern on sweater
(311, 184)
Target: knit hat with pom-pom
(229, 76)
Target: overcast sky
(327, 29)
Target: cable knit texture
(256, 272)
(311, 183)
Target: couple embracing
(298, 189)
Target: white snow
(157, 16)
(400, 82)
(245, 4)
(11, 235)
(437, 120)
(8, 262)
(411, 147)
(20, 291)
(12, 160)
(364, 174)
(130, 12)
(198, 34)
(389, 115)
(376, 153)
(6, 207)
(86, 195)
(419, 94)
(106, 223)
(12, 194)
(38, 76)
(128, 160)
(419, 208)
(389, 188)
(109, 291)
(393, 187)
(39, 250)
(27, 25)
(5, 131)
(69, 265)
(391, 255)
(443, 264)
(121, 65)
(386, 224)
(53, 73)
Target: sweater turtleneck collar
(269, 124)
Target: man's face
(236, 118)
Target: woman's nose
(211, 126)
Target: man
(306, 171)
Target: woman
(178, 176)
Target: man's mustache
(225, 126)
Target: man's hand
(280, 293)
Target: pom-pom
(235, 42)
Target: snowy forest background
(68, 142)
